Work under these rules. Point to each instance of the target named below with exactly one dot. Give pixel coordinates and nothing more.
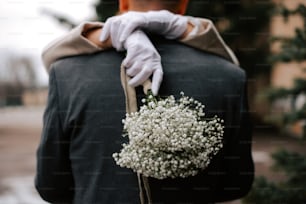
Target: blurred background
(268, 37)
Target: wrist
(137, 37)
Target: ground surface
(20, 133)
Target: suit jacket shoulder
(74, 43)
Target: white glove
(163, 22)
(142, 61)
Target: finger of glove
(106, 30)
(134, 69)
(141, 77)
(119, 28)
(130, 58)
(156, 81)
(115, 35)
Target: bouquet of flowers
(170, 138)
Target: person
(87, 38)
(82, 126)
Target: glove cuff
(197, 26)
(177, 27)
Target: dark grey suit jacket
(82, 129)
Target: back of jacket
(82, 129)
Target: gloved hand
(142, 61)
(162, 22)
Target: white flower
(169, 138)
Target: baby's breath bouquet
(170, 138)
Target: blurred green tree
(292, 190)
(292, 50)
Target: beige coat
(74, 43)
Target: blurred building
(284, 74)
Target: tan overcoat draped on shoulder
(74, 43)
